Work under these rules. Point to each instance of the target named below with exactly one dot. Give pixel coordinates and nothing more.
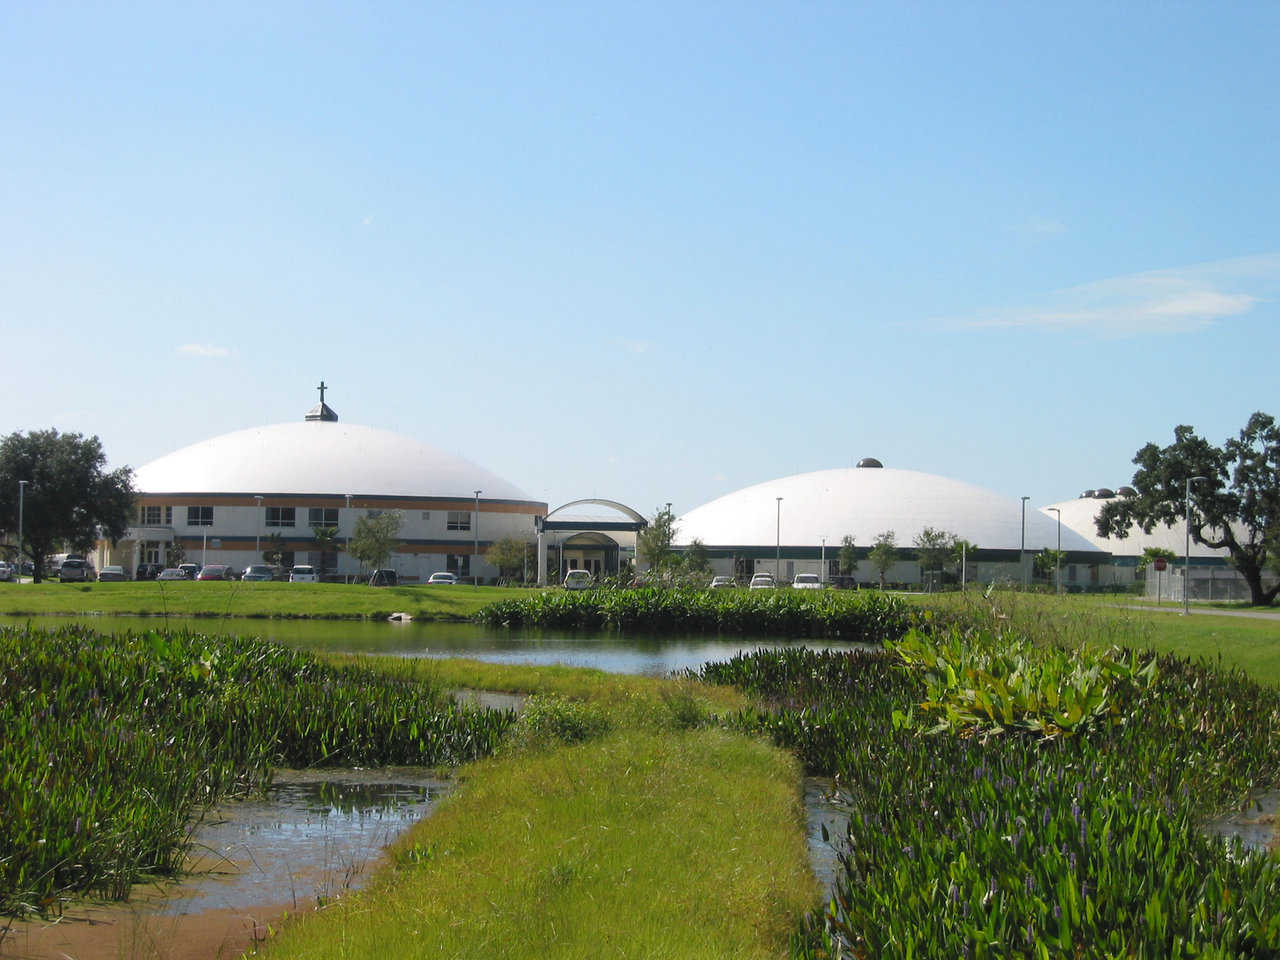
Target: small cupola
(321, 412)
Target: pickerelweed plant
(1019, 830)
(111, 744)
(866, 615)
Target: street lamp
(777, 561)
(475, 550)
(1057, 560)
(257, 533)
(22, 489)
(1022, 550)
(822, 564)
(1186, 556)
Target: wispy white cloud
(1168, 301)
(207, 350)
(635, 346)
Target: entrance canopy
(590, 544)
(577, 520)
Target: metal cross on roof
(321, 388)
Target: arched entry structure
(634, 523)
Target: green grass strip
(228, 599)
(639, 844)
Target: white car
(8, 571)
(578, 580)
(721, 583)
(762, 581)
(443, 577)
(806, 581)
(304, 573)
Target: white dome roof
(319, 457)
(865, 502)
(1081, 515)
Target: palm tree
(326, 542)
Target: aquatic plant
(968, 842)
(860, 616)
(111, 744)
(977, 681)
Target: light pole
(257, 533)
(1057, 560)
(475, 550)
(777, 560)
(1186, 555)
(822, 564)
(1022, 550)
(22, 490)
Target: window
(150, 551)
(426, 514)
(199, 516)
(280, 516)
(322, 517)
(459, 520)
(459, 563)
(149, 516)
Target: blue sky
(653, 252)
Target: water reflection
(638, 654)
(311, 839)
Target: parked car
(111, 572)
(806, 581)
(721, 583)
(171, 573)
(384, 578)
(190, 570)
(258, 571)
(73, 571)
(216, 571)
(443, 577)
(8, 572)
(303, 573)
(578, 580)
(147, 571)
(762, 581)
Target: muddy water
(822, 810)
(316, 836)
(1255, 825)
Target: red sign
(1160, 563)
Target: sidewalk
(1205, 611)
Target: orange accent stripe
(361, 503)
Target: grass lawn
(1251, 644)
(638, 844)
(653, 837)
(238, 599)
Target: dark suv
(148, 571)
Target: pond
(636, 654)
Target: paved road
(1207, 611)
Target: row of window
(316, 517)
(154, 516)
